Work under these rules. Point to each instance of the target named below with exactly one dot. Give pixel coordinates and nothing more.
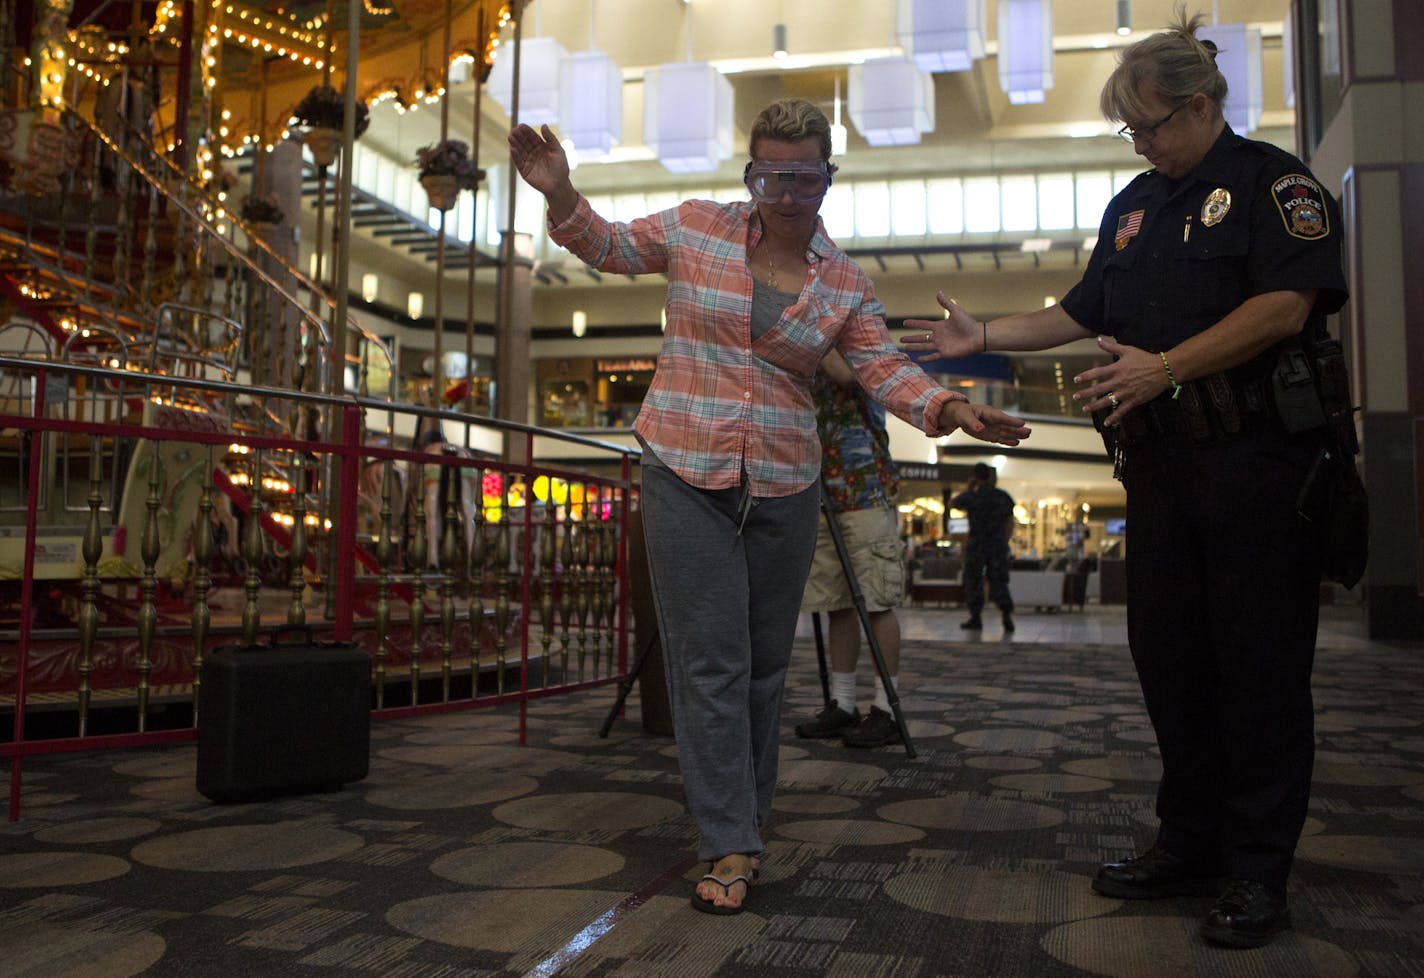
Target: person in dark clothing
(1208, 271)
(991, 523)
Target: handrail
(32, 327)
(233, 252)
(193, 186)
(233, 326)
(311, 397)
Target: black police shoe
(1154, 874)
(1248, 914)
(973, 623)
(1008, 622)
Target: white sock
(843, 690)
(882, 699)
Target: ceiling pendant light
(941, 35)
(890, 100)
(1238, 58)
(1025, 49)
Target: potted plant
(446, 169)
(261, 212)
(323, 112)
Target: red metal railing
(546, 564)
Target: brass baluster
(297, 553)
(61, 243)
(479, 552)
(385, 554)
(501, 580)
(93, 548)
(595, 580)
(580, 575)
(123, 220)
(418, 552)
(148, 611)
(150, 252)
(181, 252)
(567, 582)
(230, 303)
(449, 557)
(546, 584)
(202, 580)
(91, 233)
(252, 553)
(606, 530)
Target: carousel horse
(370, 491)
(462, 478)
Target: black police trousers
(1223, 585)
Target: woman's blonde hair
(1172, 64)
(791, 119)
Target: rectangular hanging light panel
(539, 59)
(941, 35)
(1238, 58)
(1025, 49)
(687, 116)
(590, 102)
(891, 101)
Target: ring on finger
(1112, 399)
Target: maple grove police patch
(1302, 205)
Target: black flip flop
(708, 906)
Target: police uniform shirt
(1174, 257)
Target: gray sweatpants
(727, 585)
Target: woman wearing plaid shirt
(757, 295)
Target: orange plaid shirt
(721, 403)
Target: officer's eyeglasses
(1147, 133)
(807, 181)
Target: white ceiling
(975, 126)
(976, 131)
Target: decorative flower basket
(445, 170)
(324, 144)
(442, 189)
(323, 112)
(260, 214)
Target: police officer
(1208, 270)
(986, 552)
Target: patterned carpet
(464, 855)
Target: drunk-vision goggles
(807, 181)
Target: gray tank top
(767, 306)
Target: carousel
(201, 443)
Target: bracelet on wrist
(1171, 377)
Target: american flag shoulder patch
(1127, 226)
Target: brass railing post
(202, 581)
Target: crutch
(626, 687)
(859, 599)
(821, 658)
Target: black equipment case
(283, 718)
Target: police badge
(1301, 203)
(1218, 202)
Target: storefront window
(563, 403)
(622, 385)
(583, 392)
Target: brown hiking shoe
(878, 729)
(830, 722)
